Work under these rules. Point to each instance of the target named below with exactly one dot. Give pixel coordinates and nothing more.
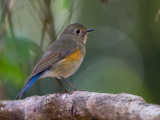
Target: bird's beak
(89, 30)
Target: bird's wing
(53, 55)
(49, 58)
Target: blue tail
(28, 84)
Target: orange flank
(75, 56)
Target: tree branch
(80, 105)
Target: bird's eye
(77, 31)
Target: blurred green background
(123, 53)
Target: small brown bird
(63, 57)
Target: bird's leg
(75, 89)
(61, 85)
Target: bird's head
(76, 32)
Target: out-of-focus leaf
(22, 46)
(16, 58)
(9, 70)
(67, 4)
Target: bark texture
(80, 105)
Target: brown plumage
(63, 57)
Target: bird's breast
(73, 57)
(67, 66)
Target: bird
(62, 58)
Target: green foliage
(9, 71)
(67, 4)
(14, 59)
